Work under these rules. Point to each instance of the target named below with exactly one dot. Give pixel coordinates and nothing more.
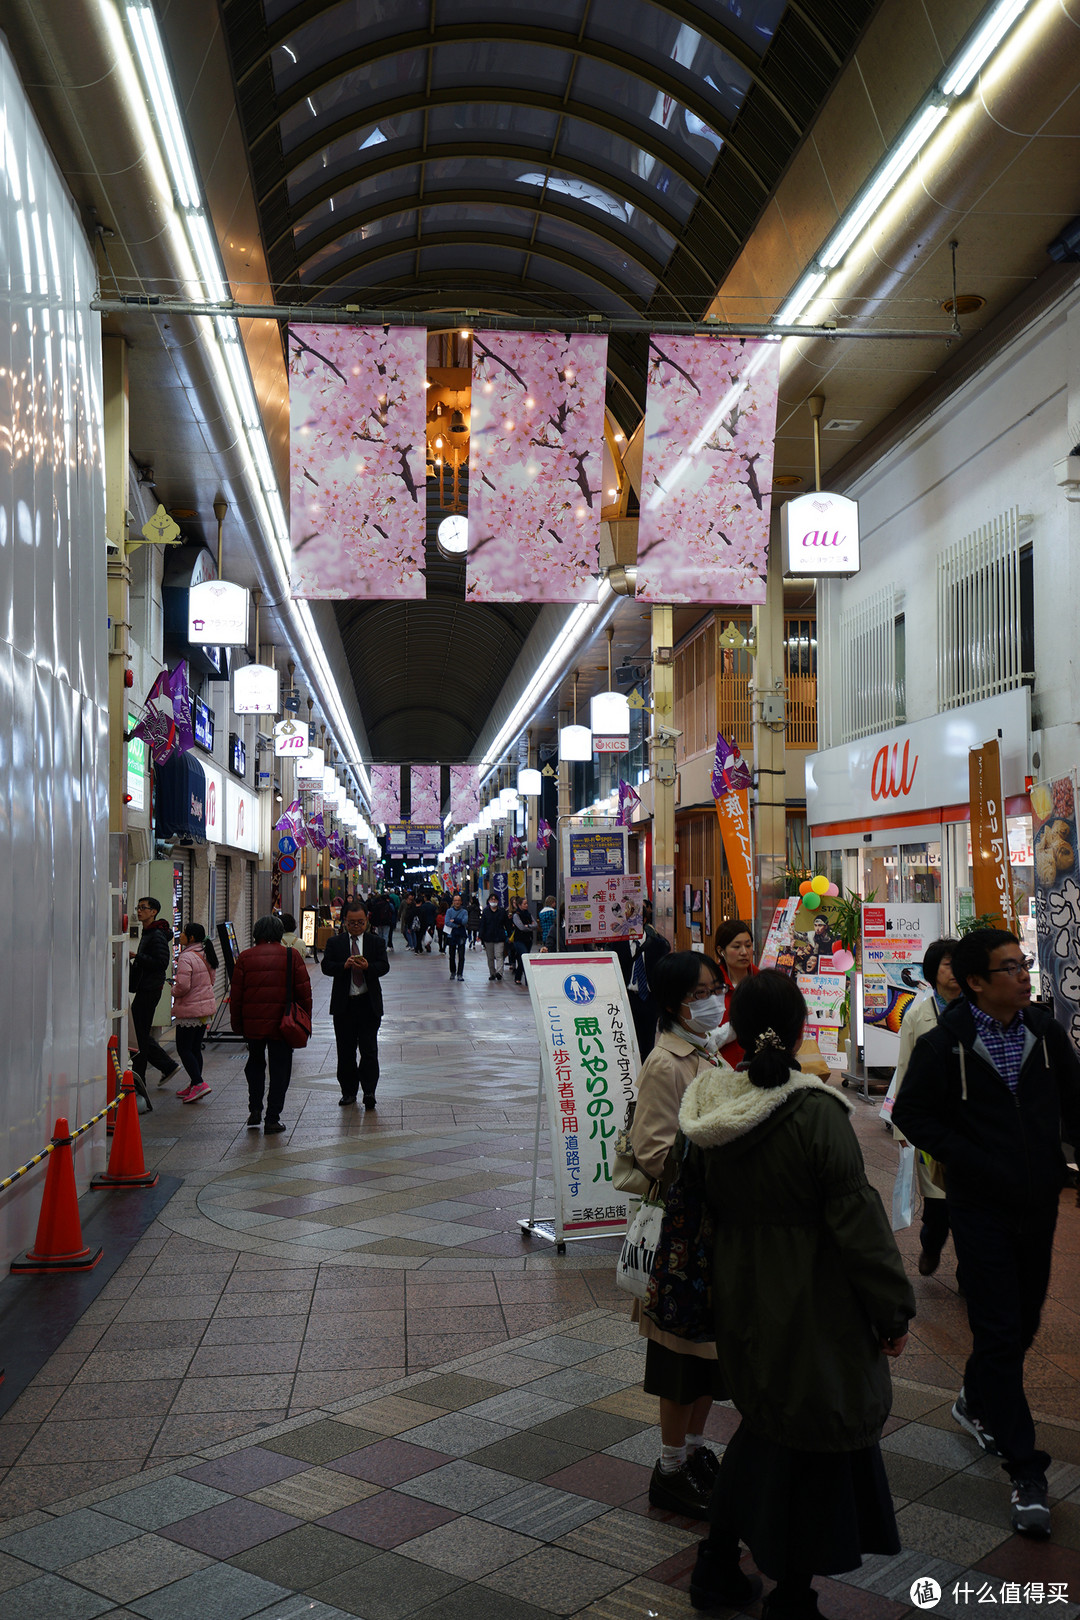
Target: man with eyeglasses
(989, 1093)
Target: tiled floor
(333, 1379)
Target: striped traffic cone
(59, 1243)
(127, 1168)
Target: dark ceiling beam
(489, 95)
(468, 194)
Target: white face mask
(708, 1014)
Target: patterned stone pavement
(333, 1379)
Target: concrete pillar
(662, 769)
(770, 813)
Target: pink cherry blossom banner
(357, 461)
(386, 793)
(535, 466)
(706, 481)
(464, 793)
(426, 799)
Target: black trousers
(457, 954)
(1005, 1265)
(935, 1224)
(279, 1056)
(189, 1049)
(356, 1031)
(143, 1007)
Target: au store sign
(241, 818)
(923, 766)
(291, 739)
(217, 614)
(820, 535)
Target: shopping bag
(903, 1193)
(635, 1263)
(679, 1299)
(890, 1098)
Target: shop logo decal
(889, 778)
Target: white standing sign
(256, 690)
(894, 941)
(217, 614)
(589, 1068)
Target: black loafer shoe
(273, 1127)
(679, 1492)
(719, 1583)
(343, 1102)
(369, 1100)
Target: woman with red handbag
(270, 1006)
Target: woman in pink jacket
(193, 1005)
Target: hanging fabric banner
(357, 461)
(464, 793)
(706, 481)
(991, 870)
(426, 796)
(535, 466)
(386, 793)
(733, 810)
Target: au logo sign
(889, 777)
(820, 535)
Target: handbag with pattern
(679, 1297)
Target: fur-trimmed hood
(723, 1104)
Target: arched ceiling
(585, 156)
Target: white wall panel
(53, 680)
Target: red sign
(890, 777)
(873, 922)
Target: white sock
(694, 1442)
(672, 1458)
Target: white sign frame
(256, 689)
(309, 768)
(291, 738)
(920, 923)
(582, 1071)
(215, 805)
(218, 614)
(819, 532)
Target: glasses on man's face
(702, 993)
(1021, 965)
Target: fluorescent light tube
(982, 45)
(804, 291)
(881, 184)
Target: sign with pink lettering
(820, 536)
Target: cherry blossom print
(706, 481)
(535, 468)
(385, 793)
(464, 794)
(426, 800)
(357, 461)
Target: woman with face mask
(684, 1376)
(735, 960)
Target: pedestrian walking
(290, 938)
(440, 929)
(193, 1005)
(356, 961)
(146, 977)
(989, 1092)
(456, 925)
(425, 925)
(639, 957)
(494, 928)
(522, 928)
(474, 922)
(258, 1001)
(547, 920)
(773, 1153)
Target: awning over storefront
(180, 810)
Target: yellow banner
(733, 810)
(991, 871)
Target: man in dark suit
(356, 960)
(638, 957)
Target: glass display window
(881, 873)
(920, 873)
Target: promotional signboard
(241, 817)
(202, 724)
(991, 873)
(309, 766)
(596, 854)
(256, 690)
(406, 842)
(136, 767)
(1057, 897)
(307, 926)
(820, 536)
(217, 614)
(601, 909)
(589, 1065)
(894, 941)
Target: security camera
(665, 736)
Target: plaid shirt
(1004, 1042)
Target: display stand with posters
(1057, 898)
(801, 943)
(230, 950)
(589, 1065)
(602, 900)
(894, 941)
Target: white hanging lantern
(575, 743)
(609, 716)
(529, 782)
(508, 799)
(310, 767)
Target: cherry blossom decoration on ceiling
(535, 468)
(464, 793)
(706, 482)
(357, 474)
(425, 803)
(385, 793)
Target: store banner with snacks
(803, 942)
(1057, 896)
(589, 1065)
(991, 871)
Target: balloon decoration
(842, 959)
(819, 884)
(804, 888)
(812, 900)
(832, 892)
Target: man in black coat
(425, 923)
(146, 976)
(356, 960)
(638, 958)
(989, 1093)
(494, 929)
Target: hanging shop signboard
(202, 724)
(820, 536)
(589, 1065)
(404, 841)
(215, 805)
(596, 854)
(309, 767)
(290, 739)
(241, 817)
(991, 871)
(237, 755)
(256, 690)
(218, 614)
(602, 909)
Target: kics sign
(820, 536)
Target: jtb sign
(820, 535)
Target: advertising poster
(1057, 897)
(599, 910)
(589, 1066)
(990, 867)
(894, 940)
(406, 842)
(597, 854)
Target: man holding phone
(356, 960)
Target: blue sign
(237, 755)
(597, 854)
(286, 845)
(500, 885)
(202, 724)
(287, 863)
(579, 989)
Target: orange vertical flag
(991, 870)
(733, 810)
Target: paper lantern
(217, 614)
(529, 782)
(811, 901)
(820, 885)
(575, 743)
(609, 717)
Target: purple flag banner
(180, 694)
(386, 793)
(155, 726)
(357, 461)
(292, 818)
(628, 798)
(544, 834)
(316, 831)
(706, 480)
(426, 800)
(535, 466)
(464, 793)
(730, 772)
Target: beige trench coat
(919, 1021)
(665, 1075)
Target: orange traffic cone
(59, 1243)
(112, 1082)
(127, 1168)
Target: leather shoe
(369, 1099)
(272, 1127)
(343, 1102)
(929, 1260)
(254, 1119)
(718, 1583)
(679, 1492)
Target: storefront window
(920, 874)
(881, 873)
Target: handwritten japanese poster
(1057, 897)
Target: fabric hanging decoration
(425, 782)
(706, 480)
(155, 726)
(535, 466)
(730, 773)
(316, 831)
(544, 834)
(731, 779)
(292, 818)
(180, 696)
(386, 793)
(628, 798)
(357, 461)
(464, 794)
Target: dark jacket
(474, 913)
(494, 925)
(337, 952)
(644, 1010)
(257, 996)
(425, 917)
(806, 1274)
(523, 924)
(151, 963)
(1000, 1150)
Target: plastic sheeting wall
(53, 678)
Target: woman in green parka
(810, 1297)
